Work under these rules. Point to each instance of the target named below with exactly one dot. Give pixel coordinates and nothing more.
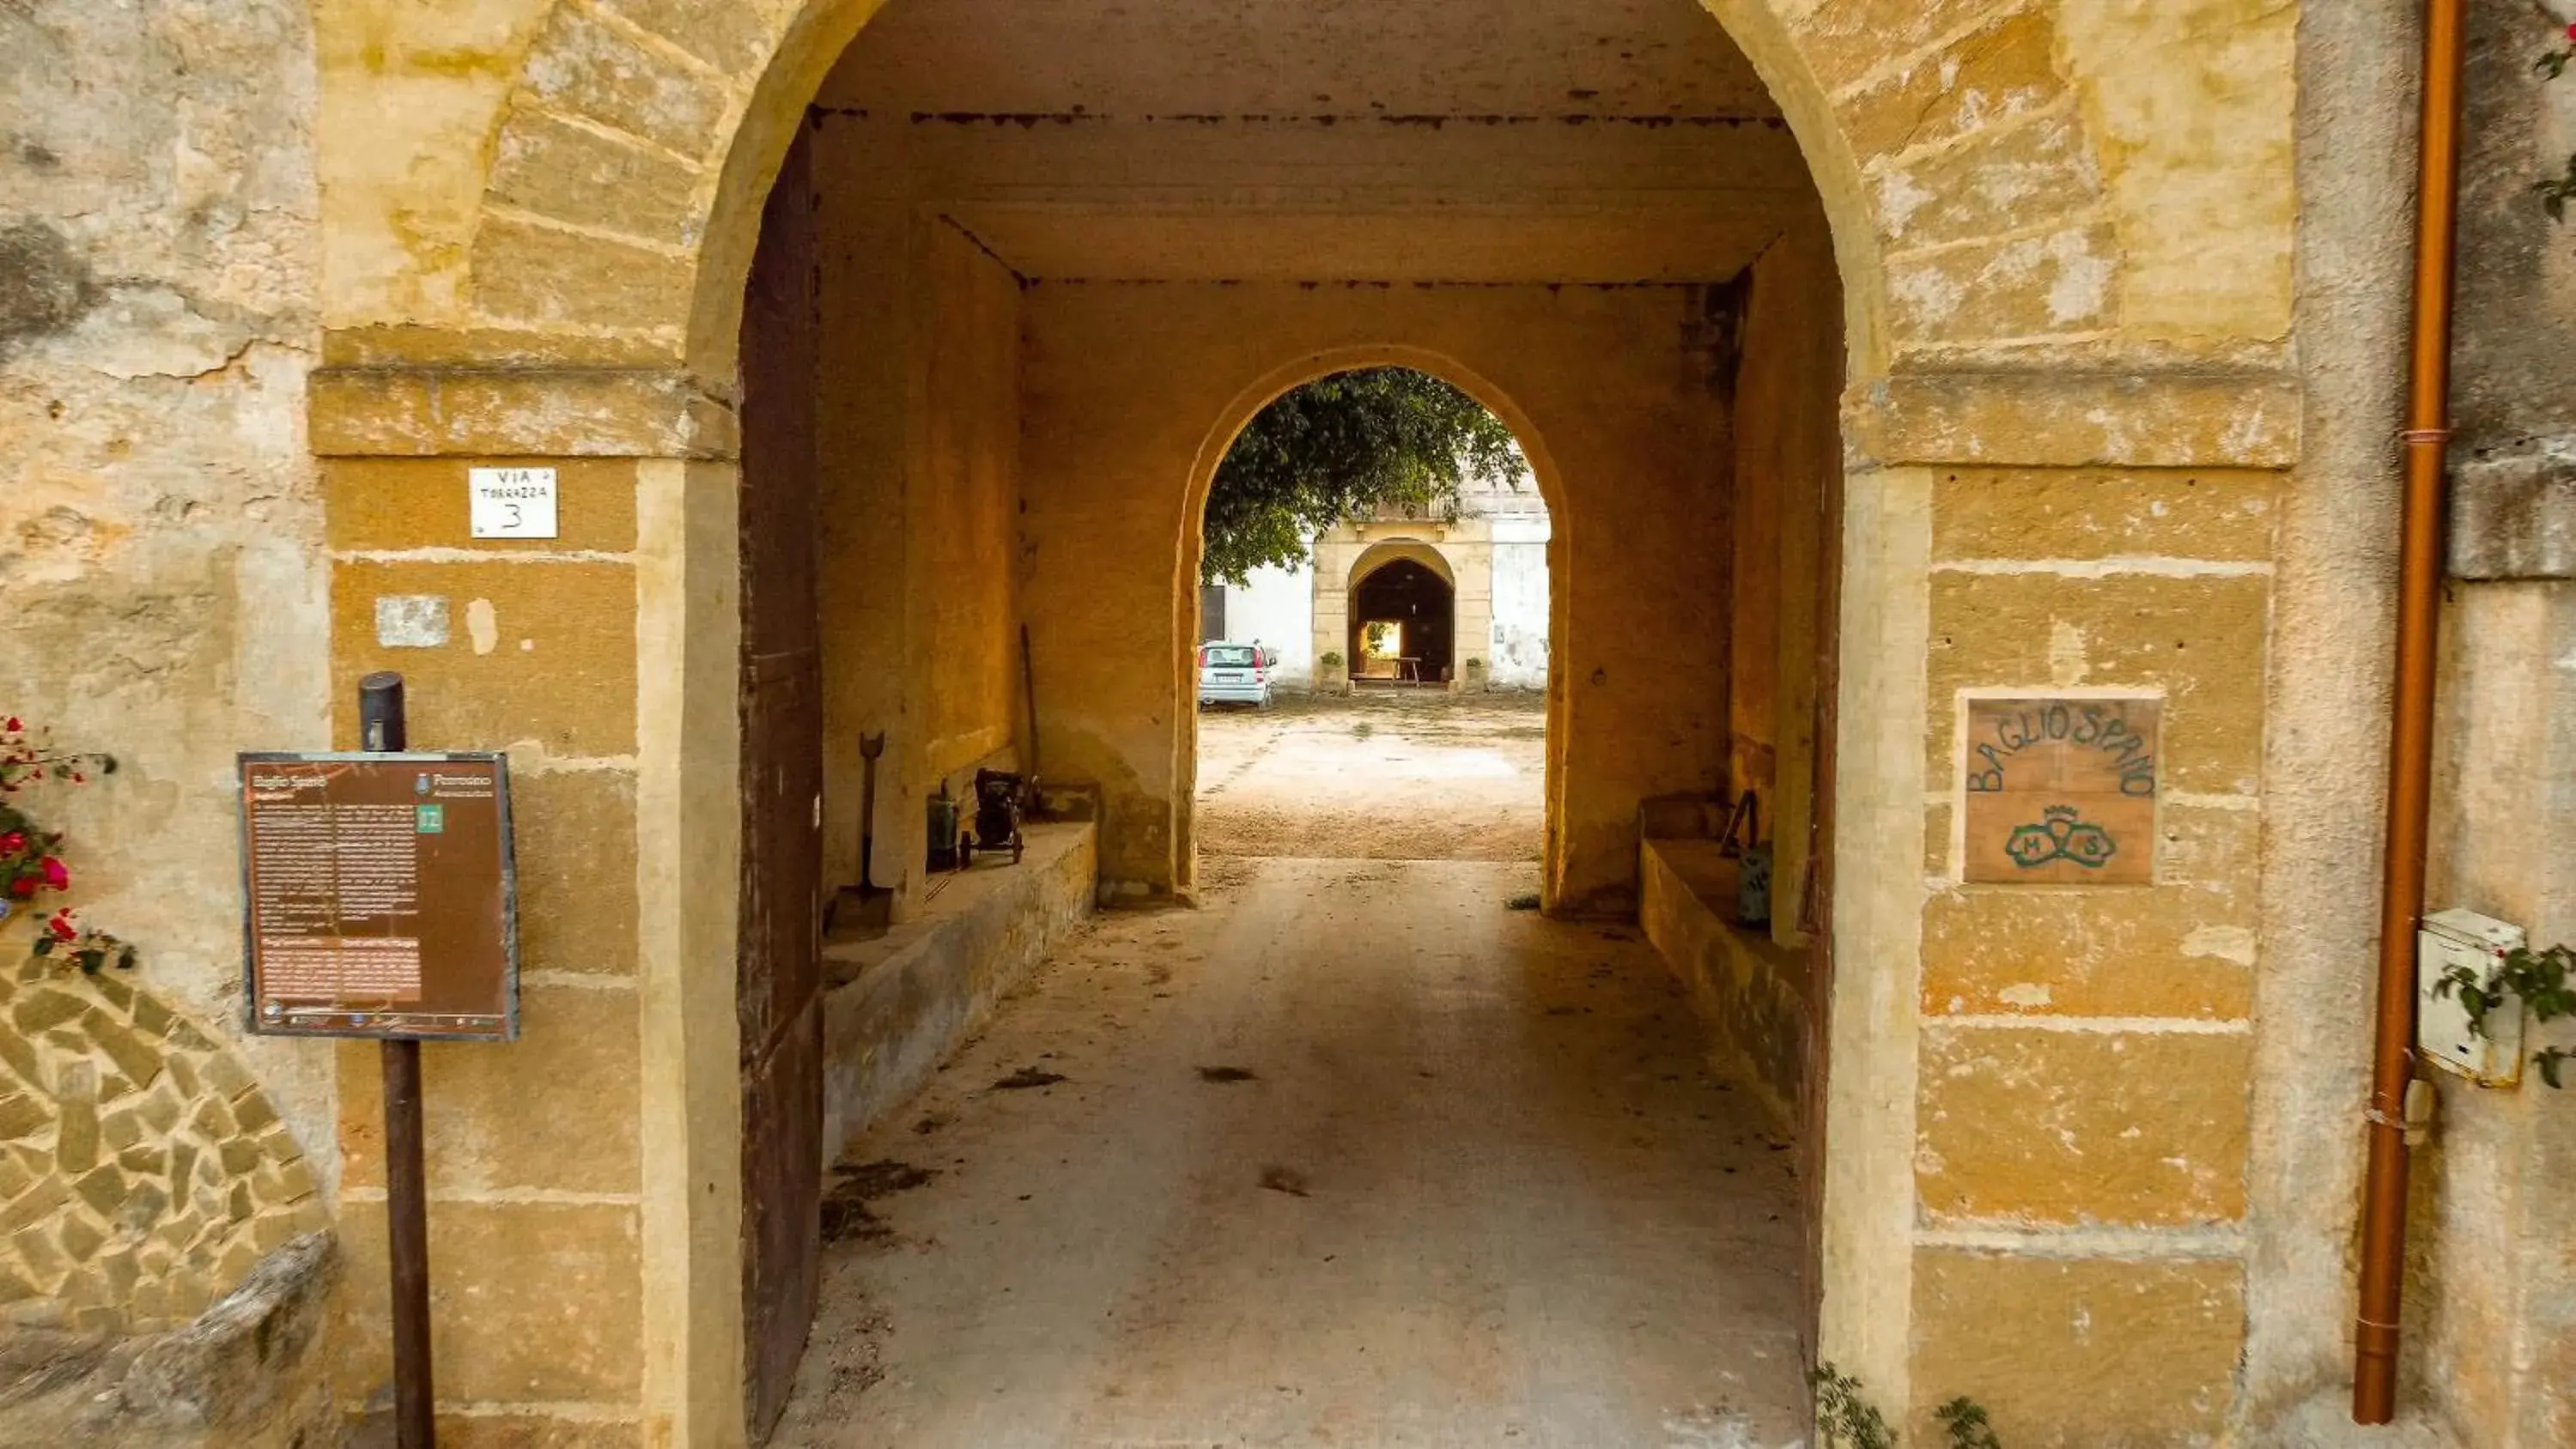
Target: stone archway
(1419, 604)
(540, 256)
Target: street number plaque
(381, 896)
(2060, 789)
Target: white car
(1234, 674)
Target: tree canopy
(1340, 446)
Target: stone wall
(920, 493)
(161, 598)
(2065, 231)
(2492, 1292)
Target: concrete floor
(1351, 1155)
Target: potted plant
(1330, 672)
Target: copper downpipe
(2410, 762)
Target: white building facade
(1457, 602)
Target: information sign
(2059, 789)
(382, 898)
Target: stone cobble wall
(143, 1172)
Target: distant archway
(1403, 620)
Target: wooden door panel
(778, 1003)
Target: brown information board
(2060, 790)
(382, 896)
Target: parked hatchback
(1234, 674)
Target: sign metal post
(382, 731)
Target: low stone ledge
(244, 1375)
(1752, 992)
(900, 1002)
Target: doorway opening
(1388, 526)
(1052, 290)
(1404, 629)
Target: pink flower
(57, 875)
(13, 842)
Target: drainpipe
(2410, 762)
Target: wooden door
(779, 966)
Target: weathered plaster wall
(164, 601)
(918, 402)
(1275, 606)
(2325, 754)
(1788, 476)
(2493, 1293)
(1134, 390)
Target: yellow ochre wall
(1135, 390)
(918, 392)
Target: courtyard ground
(1387, 774)
(1352, 1154)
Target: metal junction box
(2442, 1036)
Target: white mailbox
(2442, 1036)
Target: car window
(1229, 656)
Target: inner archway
(1404, 624)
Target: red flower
(57, 875)
(13, 842)
(13, 726)
(62, 927)
(23, 887)
(2571, 36)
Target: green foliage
(2538, 979)
(1966, 1422)
(1332, 659)
(1339, 446)
(1846, 1419)
(2556, 191)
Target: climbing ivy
(2539, 979)
(2556, 191)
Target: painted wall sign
(512, 502)
(2059, 790)
(381, 896)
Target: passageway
(1352, 1155)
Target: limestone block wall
(2065, 231)
(1132, 388)
(536, 1149)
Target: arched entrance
(1403, 617)
(551, 269)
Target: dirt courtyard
(1396, 774)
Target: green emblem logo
(2061, 834)
(432, 819)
